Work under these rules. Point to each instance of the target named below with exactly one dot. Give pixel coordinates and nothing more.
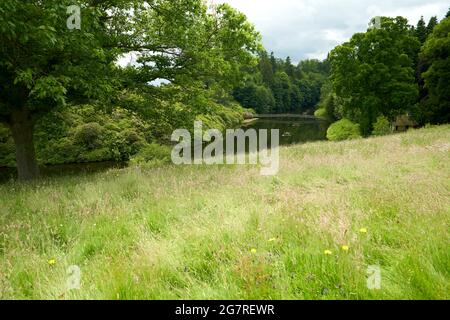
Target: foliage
(421, 30)
(153, 154)
(382, 127)
(343, 130)
(45, 66)
(84, 134)
(278, 86)
(321, 113)
(373, 73)
(257, 97)
(435, 56)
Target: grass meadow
(225, 232)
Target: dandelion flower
(52, 262)
(345, 248)
(328, 252)
(363, 230)
(253, 251)
(272, 239)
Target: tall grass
(221, 232)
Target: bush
(321, 113)
(382, 127)
(343, 130)
(89, 135)
(153, 154)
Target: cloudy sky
(311, 28)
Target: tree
(448, 14)
(44, 65)
(265, 68)
(373, 74)
(330, 108)
(421, 30)
(431, 25)
(255, 97)
(282, 92)
(289, 68)
(382, 127)
(273, 62)
(435, 55)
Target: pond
(293, 130)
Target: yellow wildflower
(345, 248)
(52, 262)
(328, 252)
(253, 251)
(363, 230)
(272, 239)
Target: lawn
(225, 232)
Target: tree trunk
(22, 127)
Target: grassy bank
(225, 232)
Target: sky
(309, 29)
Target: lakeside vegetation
(202, 232)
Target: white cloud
(311, 28)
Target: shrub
(321, 113)
(153, 154)
(382, 127)
(89, 135)
(343, 130)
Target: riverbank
(221, 232)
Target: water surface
(293, 130)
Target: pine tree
(431, 25)
(421, 30)
(273, 61)
(289, 67)
(265, 67)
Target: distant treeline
(277, 86)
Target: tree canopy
(44, 65)
(373, 73)
(435, 55)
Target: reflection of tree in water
(293, 131)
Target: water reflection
(293, 130)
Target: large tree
(44, 65)
(373, 73)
